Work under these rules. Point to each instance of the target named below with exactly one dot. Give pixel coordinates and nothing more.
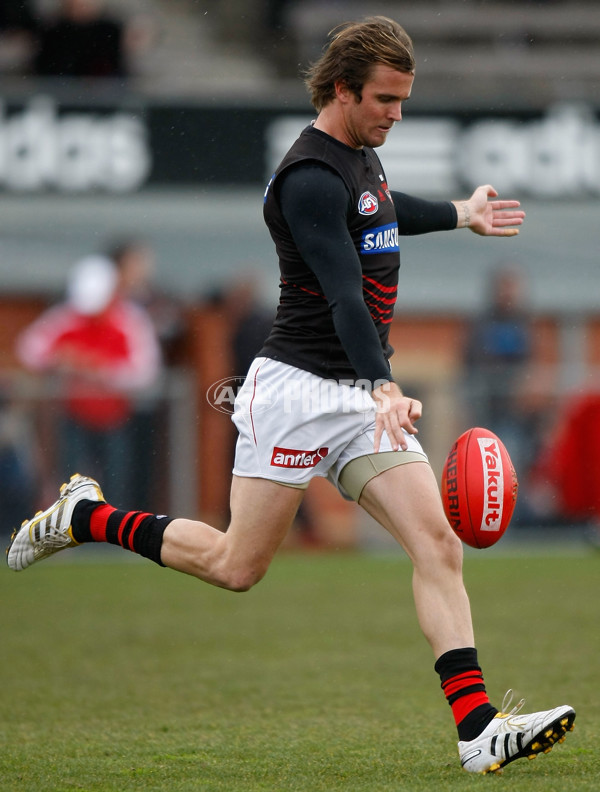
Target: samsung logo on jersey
(383, 239)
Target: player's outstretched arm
(489, 218)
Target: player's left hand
(490, 218)
(396, 414)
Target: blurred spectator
(85, 40)
(565, 478)
(135, 263)
(103, 350)
(497, 353)
(251, 322)
(18, 27)
(18, 473)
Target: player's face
(368, 121)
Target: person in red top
(104, 350)
(564, 479)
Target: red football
(479, 488)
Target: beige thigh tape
(358, 472)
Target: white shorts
(294, 425)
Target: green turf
(122, 676)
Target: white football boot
(510, 736)
(50, 531)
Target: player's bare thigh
(406, 501)
(262, 512)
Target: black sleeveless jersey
(303, 333)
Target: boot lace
(507, 701)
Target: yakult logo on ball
(493, 476)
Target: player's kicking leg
(261, 514)
(406, 501)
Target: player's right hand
(396, 414)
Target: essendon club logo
(367, 203)
(493, 475)
(293, 458)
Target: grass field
(121, 676)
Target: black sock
(463, 685)
(140, 532)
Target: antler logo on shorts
(292, 458)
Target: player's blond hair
(353, 49)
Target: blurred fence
(158, 450)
